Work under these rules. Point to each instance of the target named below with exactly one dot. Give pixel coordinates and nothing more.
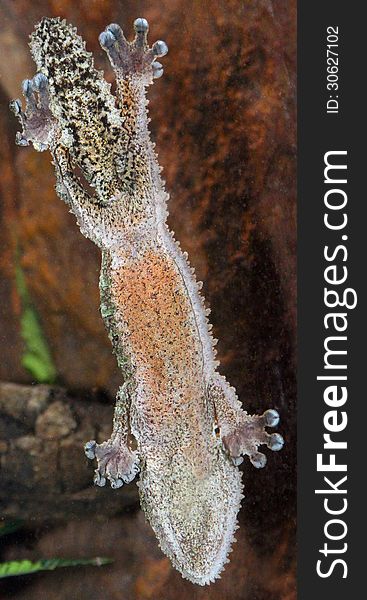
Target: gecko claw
(90, 449)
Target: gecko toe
(115, 30)
(99, 479)
(128, 476)
(20, 140)
(16, 107)
(258, 459)
(39, 82)
(275, 442)
(160, 48)
(157, 70)
(35, 92)
(113, 41)
(141, 27)
(107, 39)
(90, 449)
(116, 483)
(26, 87)
(271, 418)
(30, 96)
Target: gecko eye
(216, 430)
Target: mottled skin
(177, 421)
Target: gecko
(177, 423)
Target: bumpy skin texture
(177, 421)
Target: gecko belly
(154, 316)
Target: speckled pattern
(176, 419)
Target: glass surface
(223, 119)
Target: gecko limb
(133, 58)
(76, 194)
(87, 209)
(38, 123)
(135, 67)
(242, 434)
(115, 459)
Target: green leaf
(36, 357)
(25, 567)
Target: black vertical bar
(320, 132)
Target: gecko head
(88, 119)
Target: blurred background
(223, 117)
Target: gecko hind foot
(37, 121)
(116, 462)
(136, 57)
(249, 435)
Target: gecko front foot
(133, 58)
(39, 124)
(250, 434)
(116, 462)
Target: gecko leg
(39, 126)
(242, 434)
(136, 57)
(115, 460)
(135, 67)
(88, 210)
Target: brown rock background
(223, 117)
